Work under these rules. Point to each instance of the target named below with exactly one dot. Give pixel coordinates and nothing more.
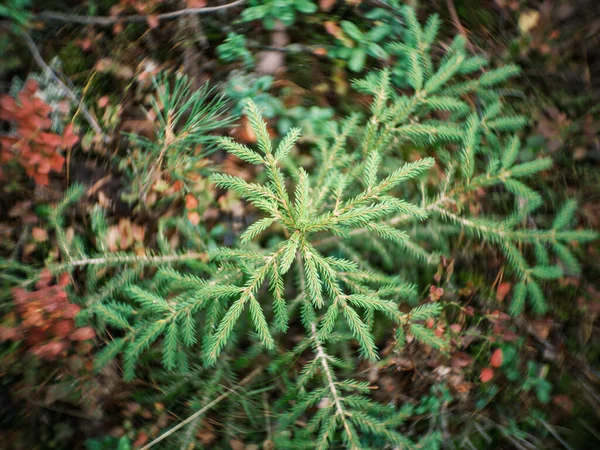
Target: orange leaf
(496, 360)
(333, 29)
(39, 234)
(503, 290)
(320, 51)
(69, 138)
(194, 217)
(486, 375)
(82, 334)
(191, 202)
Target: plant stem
(197, 414)
(46, 68)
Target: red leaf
(103, 101)
(153, 21)
(194, 217)
(39, 234)
(496, 360)
(50, 139)
(486, 375)
(510, 336)
(31, 86)
(191, 202)
(503, 290)
(50, 350)
(82, 334)
(62, 328)
(69, 138)
(71, 310)
(456, 327)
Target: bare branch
(76, 101)
(111, 20)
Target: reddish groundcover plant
(35, 148)
(47, 323)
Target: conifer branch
(124, 258)
(340, 411)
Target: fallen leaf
(528, 20)
(460, 360)
(39, 234)
(541, 328)
(82, 334)
(236, 445)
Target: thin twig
(458, 25)
(220, 398)
(111, 20)
(48, 70)
(557, 436)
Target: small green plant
(358, 44)
(184, 120)
(242, 87)
(108, 443)
(271, 11)
(432, 404)
(313, 121)
(234, 49)
(536, 381)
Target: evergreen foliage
(307, 261)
